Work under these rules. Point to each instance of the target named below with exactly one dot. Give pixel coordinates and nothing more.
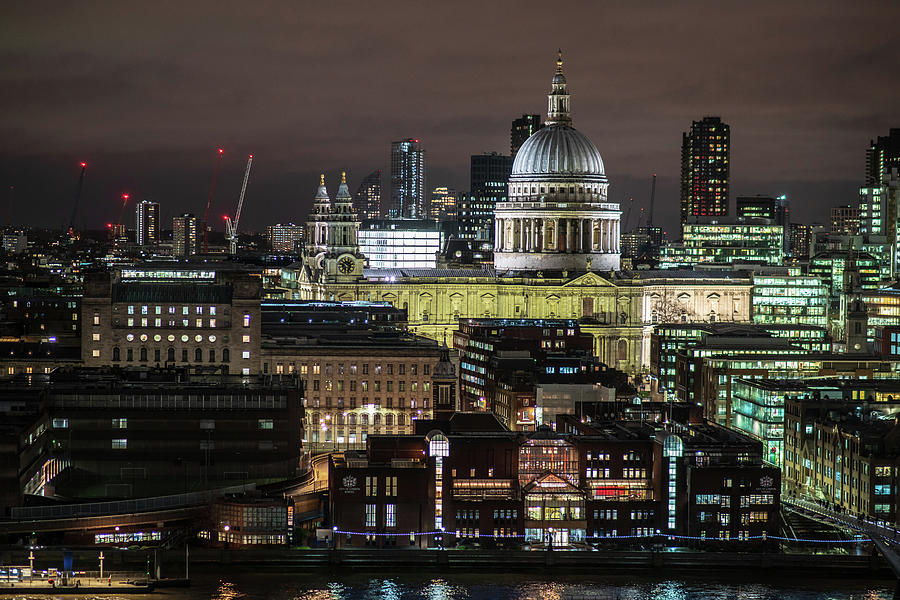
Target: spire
(343, 192)
(322, 193)
(558, 100)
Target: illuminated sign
(167, 274)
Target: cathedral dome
(558, 151)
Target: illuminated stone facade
(618, 309)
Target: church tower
(317, 227)
(443, 386)
(343, 261)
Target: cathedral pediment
(589, 280)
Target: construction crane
(212, 190)
(231, 227)
(71, 230)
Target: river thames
(485, 586)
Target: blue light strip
(611, 537)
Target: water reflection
(332, 585)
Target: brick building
(469, 479)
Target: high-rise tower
(184, 235)
(882, 156)
(147, 221)
(522, 129)
(705, 153)
(367, 199)
(488, 184)
(407, 180)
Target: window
(371, 486)
(144, 354)
(246, 339)
(170, 355)
(95, 353)
(370, 515)
(246, 319)
(390, 515)
(95, 337)
(390, 486)
(266, 424)
(245, 354)
(226, 355)
(120, 444)
(116, 354)
(120, 423)
(60, 423)
(212, 355)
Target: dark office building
(489, 177)
(367, 200)
(775, 209)
(408, 195)
(766, 207)
(109, 432)
(844, 220)
(521, 130)
(882, 156)
(705, 151)
(801, 237)
(480, 340)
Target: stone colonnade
(530, 234)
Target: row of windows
(354, 369)
(158, 310)
(122, 444)
(143, 354)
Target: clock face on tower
(345, 265)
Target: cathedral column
(617, 236)
(521, 238)
(527, 228)
(580, 246)
(497, 239)
(569, 235)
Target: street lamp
(101, 563)
(550, 539)
(334, 531)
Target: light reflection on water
(351, 585)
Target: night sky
(146, 91)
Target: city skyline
(801, 106)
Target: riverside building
(468, 480)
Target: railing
(873, 528)
(95, 509)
